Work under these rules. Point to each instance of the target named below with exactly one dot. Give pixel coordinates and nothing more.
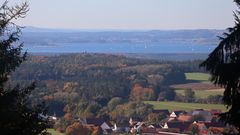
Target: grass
(171, 106)
(203, 93)
(203, 88)
(53, 132)
(202, 77)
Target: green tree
(114, 102)
(17, 117)
(167, 93)
(224, 64)
(189, 95)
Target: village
(179, 122)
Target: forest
(103, 85)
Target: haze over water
(122, 48)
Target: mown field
(171, 106)
(53, 132)
(202, 77)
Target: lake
(121, 48)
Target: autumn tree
(155, 117)
(224, 64)
(17, 116)
(138, 93)
(77, 129)
(131, 109)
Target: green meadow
(202, 77)
(171, 106)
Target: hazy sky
(130, 14)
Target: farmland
(171, 106)
(203, 93)
(196, 86)
(197, 76)
(200, 84)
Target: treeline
(87, 85)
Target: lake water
(121, 48)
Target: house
(149, 131)
(178, 112)
(43, 117)
(184, 117)
(154, 126)
(93, 121)
(207, 128)
(216, 127)
(98, 122)
(215, 111)
(174, 115)
(203, 130)
(206, 114)
(215, 124)
(137, 127)
(180, 126)
(121, 128)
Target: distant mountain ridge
(33, 35)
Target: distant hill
(44, 36)
(44, 40)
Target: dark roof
(148, 130)
(179, 112)
(163, 131)
(94, 121)
(156, 126)
(122, 124)
(109, 124)
(215, 124)
(161, 111)
(182, 126)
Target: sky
(130, 14)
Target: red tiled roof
(184, 118)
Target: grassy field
(171, 106)
(203, 77)
(53, 132)
(203, 93)
(202, 88)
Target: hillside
(88, 85)
(67, 79)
